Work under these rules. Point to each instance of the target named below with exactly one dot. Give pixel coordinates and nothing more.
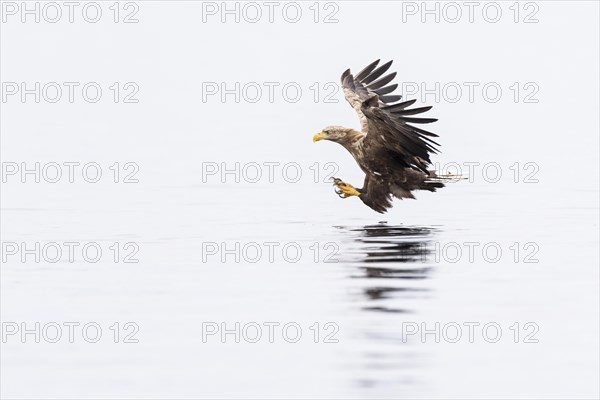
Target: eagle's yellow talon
(345, 190)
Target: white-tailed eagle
(392, 153)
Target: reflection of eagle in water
(393, 154)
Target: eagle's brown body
(384, 175)
(393, 154)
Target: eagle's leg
(344, 190)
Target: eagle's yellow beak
(319, 136)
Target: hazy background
(171, 54)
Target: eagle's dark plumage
(392, 152)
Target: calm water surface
(373, 280)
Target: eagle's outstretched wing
(386, 122)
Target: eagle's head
(337, 134)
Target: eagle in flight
(393, 154)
